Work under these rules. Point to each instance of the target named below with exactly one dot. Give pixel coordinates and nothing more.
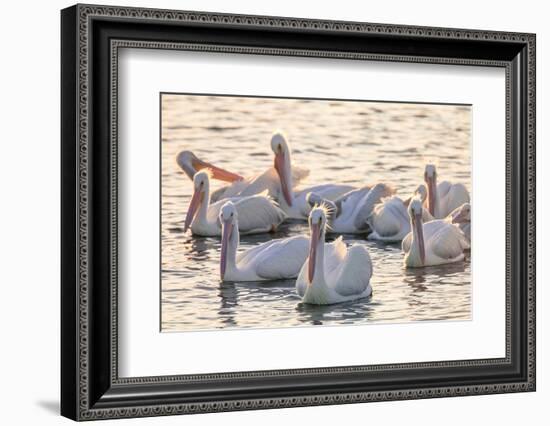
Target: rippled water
(339, 141)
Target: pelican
(389, 220)
(272, 260)
(294, 203)
(348, 214)
(432, 243)
(332, 273)
(258, 213)
(461, 216)
(444, 197)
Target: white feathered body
(355, 207)
(443, 242)
(257, 214)
(449, 197)
(389, 220)
(346, 275)
(273, 260)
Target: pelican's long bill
(284, 176)
(227, 227)
(417, 218)
(430, 181)
(196, 200)
(216, 172)
(315, 235)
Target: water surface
(339, 141)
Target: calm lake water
(347, 142)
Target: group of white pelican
(433, 224)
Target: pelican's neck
(288, 170)
(319, 274)
(203, 208)
(432, 195)
(232, 246)
(414, 254)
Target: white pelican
(332, 273)
(272, 260)
(461, 216)
(444, 197)
(258, 213)
(294, 203)
(348, 214)
(389, 220)
(432, 243)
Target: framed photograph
(263, 212)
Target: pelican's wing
(258, 212)
(246, 257)
(406, 243)
(329, 191)
(298, 174)
(353, 196)
(301, 283)
(268, 182)
(283, 259)
(452, 196)
(366, 205)
(335, 253)
(232, 190)
(355, 272)
(389, 217)
(446, 241)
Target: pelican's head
(201, 181)
(429, 172)
(317, 224)
(228, 220)
(461, 214)
(228, 213)
(190, 164)
(421, 193)
(430, 177)
(201, 185)
(313, 199)
(281, 149)
(415, 213)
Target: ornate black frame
(91, 37)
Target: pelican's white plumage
(432, 243)
(389, 220)
(257, 213)
(444, 197)
(333, 273)
(272, 260)
(349, 213)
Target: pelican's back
(354, 273)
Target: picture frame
(91, 388)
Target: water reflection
(356, 143)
